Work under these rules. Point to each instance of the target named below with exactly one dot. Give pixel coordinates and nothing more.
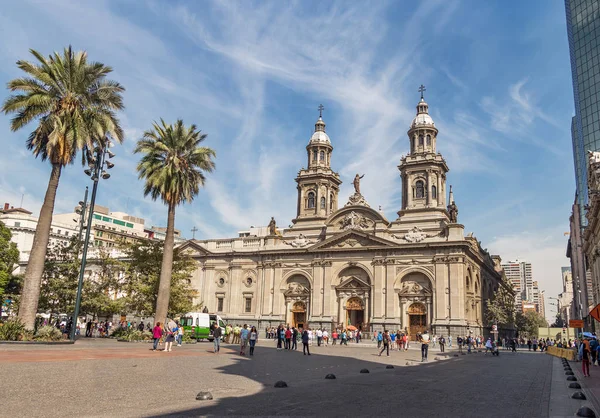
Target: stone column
(428, 187)
(389, 291)
(367, 317)
(379, 297)
(409, 191)
(439, 190)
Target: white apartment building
(22, 224)
(519, 273)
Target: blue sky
(251, 75)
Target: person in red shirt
(288, 339)
(157, 333)
(335, 336)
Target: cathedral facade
(346, 264)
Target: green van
(199, 325)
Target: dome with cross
(422, 118)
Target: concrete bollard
(584, 411)
(330, 376)
(281, 384)
(364, 371)
(204, 396)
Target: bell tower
(423, 170)
(318, 184)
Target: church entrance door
(417, 315)
(299, 315)
(355, 313)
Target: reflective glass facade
(583, 29)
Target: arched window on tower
(331, 201)
(314, 156)
(433, 192)
(311, 200)
(428, 140)
(420, 140)
(323, 203)
(322, 156)
(420, 186)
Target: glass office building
(583, 29)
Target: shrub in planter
(48, 333)
(14, 330)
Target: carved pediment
(352, 283)
(414, 288)
(352, 239)
(296, 289)
(192, 249)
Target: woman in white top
(252, 338)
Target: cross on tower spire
(194, 230)
(321, 108)
(422, 89)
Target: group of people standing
(172, 332)
(243, 336)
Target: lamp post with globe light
(98, 165)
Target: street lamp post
(95, 171)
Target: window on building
(248, 305)
(311, 200)
(323, 203)
(219, 304)
(331, 201)
(420, 140)
(314, 155)
(420, 189)
(58, 232)
(322, 156)
(17, 224)
(434, 192)
(428, 140)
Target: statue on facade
(356, 182)
(272, 227)
(453, 212)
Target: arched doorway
(355, 312)
(297, 300)
(353, 293)
(417, 319)
(299, 314)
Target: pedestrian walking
(217, 333)
(334, 337)
(305, 348)
(157, 333)
(179, 333)
(288, 339)
(386, 341)
(379, 339)
(449, 341)
(584, 353)
(319, 337)
(424, 338)
(489, 347)
(294, 338)
(171, 330)
(442, 344)
(244, 332)
(253, 339)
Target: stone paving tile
(133, 381)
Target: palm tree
(74, 106)
(173, 168)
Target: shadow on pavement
(471, 385)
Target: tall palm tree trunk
(30, 295)
(164, 284)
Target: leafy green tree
(528, 323)
(100, 290)
(142, 276)
(9, 259)
(173, 167)
(501, 308)
(59, 279)
(74, 106)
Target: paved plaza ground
(109, 378)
